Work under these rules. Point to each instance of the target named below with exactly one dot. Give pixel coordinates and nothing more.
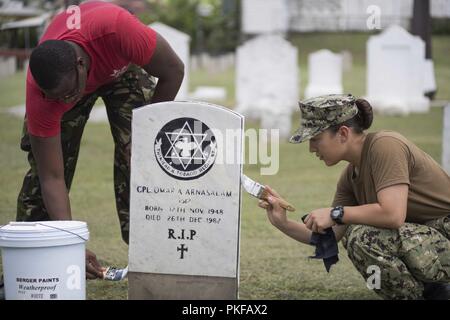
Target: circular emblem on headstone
(185, 148)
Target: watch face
(335, 213)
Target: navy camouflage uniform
(408, 257)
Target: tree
(216, 32)
(421, 26)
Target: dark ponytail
(361, 121)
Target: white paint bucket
(44, 260)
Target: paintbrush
(259, 191)
(114, 274)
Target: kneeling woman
(392, 204)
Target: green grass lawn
(272, 266)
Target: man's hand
(93, 268)
(319, 220)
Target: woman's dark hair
(361, 121)
(51, 61)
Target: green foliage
(440, 25)
(179, 14)
(216, 33)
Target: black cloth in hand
(326, 247)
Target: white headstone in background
(264, 16)
(446, 140)
(324, 74)
(212, 64)
(179, 42)
(209, 93)
(395, 72)
(267, 81)
(8, 66)
(185, 196)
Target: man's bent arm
(168, 68)
(50, 166)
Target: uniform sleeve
(136, 41)
(344, 195)
(389, 162)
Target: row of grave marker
(267, 74)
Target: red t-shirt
(111, 36)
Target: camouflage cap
(320, 113)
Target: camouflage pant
(407, 258)
(133, 89)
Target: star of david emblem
(185, 148)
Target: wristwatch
(336, 214)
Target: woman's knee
(426, 252)
(374, 239)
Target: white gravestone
(267, 81)
(446, 140)
(209, 93)
(8, 66)
(179, 42)
(265, 16)
(185, 201)
(396, 72)
(324, 74)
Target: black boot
(436, 291)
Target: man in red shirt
(111, 55)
